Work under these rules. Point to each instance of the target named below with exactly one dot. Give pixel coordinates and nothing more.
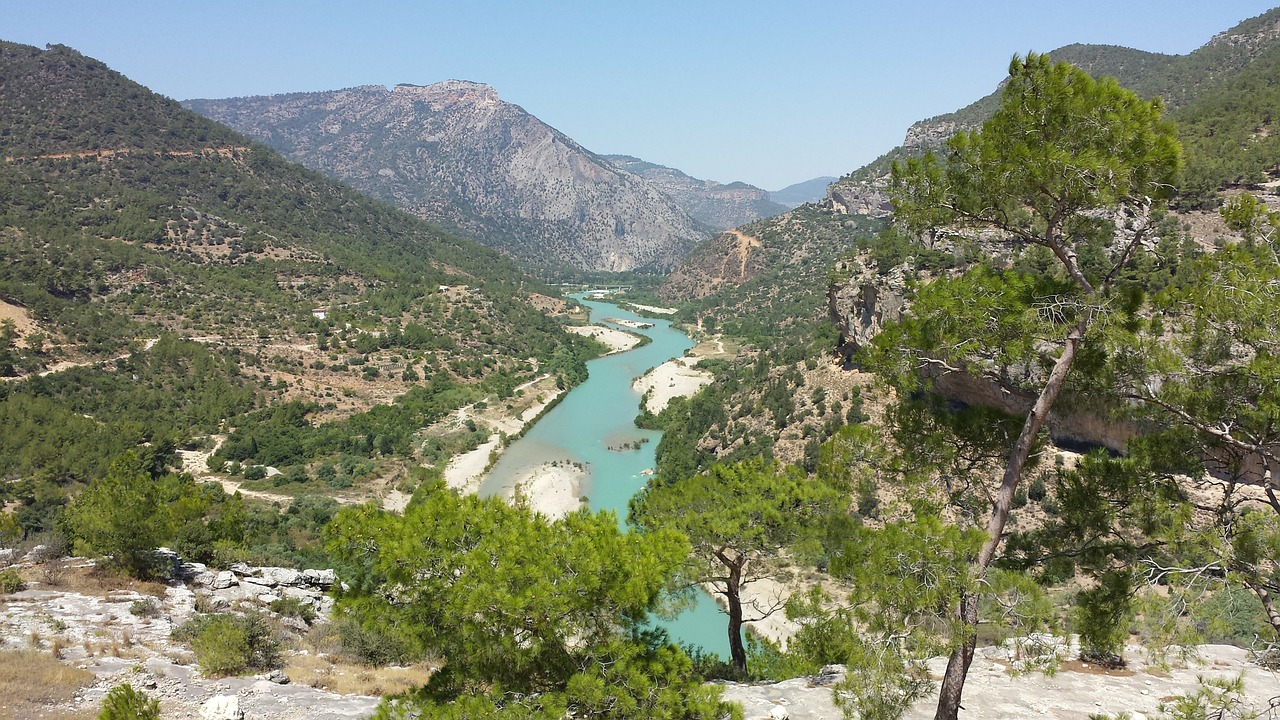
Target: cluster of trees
(1086, 300)
(560, 632)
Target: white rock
(223, 580)
(222, 707)
(778, 713)
(280, 576)
(323, 578)
(268, 598)
(306, 597)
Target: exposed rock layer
(457, 154)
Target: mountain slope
(456, 154)
(772, 292)
(1229, 71)
(131, 227)
(715, 205)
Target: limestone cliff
(457, 154)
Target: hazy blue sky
(769, 93)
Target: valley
(396, 401)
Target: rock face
(859, 197)
(456, 154)
(715, 205)
(862, 303)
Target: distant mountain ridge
(1223, 97)
(1192, 86)
(125, 216)
(716, 205)
(798, 194)
(455, 153)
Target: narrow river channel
(598, 415)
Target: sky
(769, 93)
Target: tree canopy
(528, 614)
(1068, 163)
(741, 520)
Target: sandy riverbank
(655, 310)
(674, 378)
(465, 472)
(552, 489)
(617, 340)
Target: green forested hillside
(130, 226)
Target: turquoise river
(600, 414)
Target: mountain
(458, 155)
(800, 193)
(164, 278)
(772, 284)
(715, 205)
(1225, 85)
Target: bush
(10, 581)
(125, 703)
(146, 607)
(227, 644)
(293, 607)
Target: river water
(598, 415)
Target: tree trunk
(733, 598)
(1268, 604)
(962, 656)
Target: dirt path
(227, 151)
(65, 365)
(745, 244)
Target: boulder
(222, 707)
(224, 580)
(322, 578)
(276, 576)
(302, 595)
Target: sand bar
(672, 379)
(551, 489)
(652, 309)
(617, 340)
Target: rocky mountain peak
(450, 92)
(1254, 35)
(455, 153)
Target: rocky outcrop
(859, 197)
(866, 300)
(457, 154)
(716, 205)
(862, 304)
(243, 584)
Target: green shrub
(227, 644)
(293, 607)
(1232, 615)
(125, 703)
(146, 607)
(10, 581)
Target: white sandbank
(652, 309)
(617, 340)
(674, 378)
(554, 490)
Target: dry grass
(31, 681)
(102, 582)
(352, 679)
